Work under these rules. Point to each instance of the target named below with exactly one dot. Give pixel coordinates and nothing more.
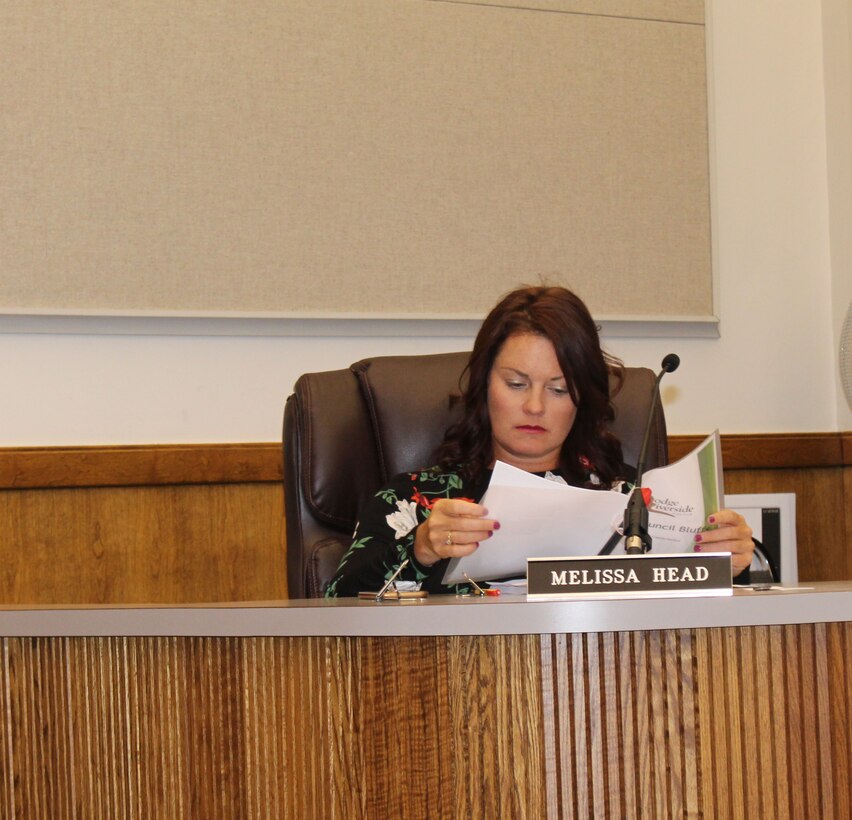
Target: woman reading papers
(537, 398)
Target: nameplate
(663, 575)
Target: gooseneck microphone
(669, 364)
(636, 538)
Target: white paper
(538, 518)
(682, 497)
(541, 518)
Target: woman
(537, 398)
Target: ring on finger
(449, 541)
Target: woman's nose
(534, 403)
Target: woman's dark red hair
(560, 316)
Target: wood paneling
(151, 465)
(824, 539)
(143, 465)
(167, 544)
(846, 447)
(205, 523)
(656, 724)
(773, 450)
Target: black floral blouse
(384, 537)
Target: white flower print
(403, 521)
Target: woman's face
(529, 405)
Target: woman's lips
(530, 428)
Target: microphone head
(671, 362)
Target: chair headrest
(412, 400)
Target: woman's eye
(516, 385)
(560, 391)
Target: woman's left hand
(731, 534)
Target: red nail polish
(496, 525)
(698, 537)
(712, 519)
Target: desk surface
(438, 615)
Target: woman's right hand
(454, 528)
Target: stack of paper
(541, 518)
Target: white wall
(774, 368)
(837, 32)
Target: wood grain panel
(181, 524)
(846, 447)
(512, 726)
(822, 507)
(779, 738)
(778, 450)
(147, 544)
(143, 465)
(846, 495)
(149, 465)
(839, 661)
(707, 754)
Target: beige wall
(837, 31)
(773, 369)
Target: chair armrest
(323, 560)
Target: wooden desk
(457, 707)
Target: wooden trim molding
(134, 466)
(168, 464)
(774, 450)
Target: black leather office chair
(347, 431)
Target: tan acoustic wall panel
(677, 11)
(333, 157)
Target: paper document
(541, 518)
(683, 494)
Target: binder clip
(478, 590)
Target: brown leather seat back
(347, 431)
(411, 404)
(330, 466)
(632, 404)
